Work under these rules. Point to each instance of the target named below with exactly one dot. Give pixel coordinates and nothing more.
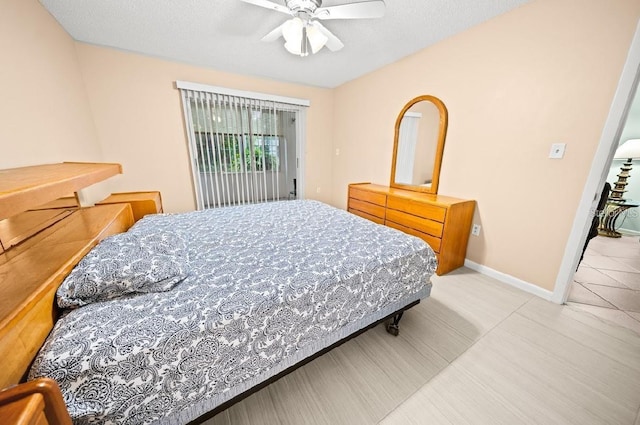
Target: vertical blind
(241, 147)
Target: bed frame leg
(392, 325)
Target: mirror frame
(433, 189)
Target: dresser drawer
(367, 207)
(362, 214)
(421, 209)
(368, 196)
(420, 224)
(433, 242)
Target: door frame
(609, 139)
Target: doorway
(600, 167)
(607, 281)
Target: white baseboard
(510, 280)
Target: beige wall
(138, 116)
(540, 74)
(43, 105)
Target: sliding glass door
(243, 150)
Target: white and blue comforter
(267, 286)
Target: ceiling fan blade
(275, 34)
(333, 43)
(269, 5)
(362, 10)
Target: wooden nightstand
(37, 402)
(142, 203)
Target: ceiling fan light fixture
(299, 37)
(292, 29)
(304, 32)
(292, 33)
(295, 48)
(317, 40)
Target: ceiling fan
(303, 32)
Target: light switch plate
(557, 150)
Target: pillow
(123, 264)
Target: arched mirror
(418, 144)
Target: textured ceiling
(225, 34)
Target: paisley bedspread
(267, 286)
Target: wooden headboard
(24, 188)
(31, 271)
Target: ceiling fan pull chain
(303, 47)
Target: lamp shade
(292, 30)
(293, 33)
(298, 35)
(317, 40)
(629, 149)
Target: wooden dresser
(443, 222)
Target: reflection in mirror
(417, 143)
(420, 133)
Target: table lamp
(628, 151)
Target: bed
(241, 296)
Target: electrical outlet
(318, 189)
(475, 230)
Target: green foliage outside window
(235, 140)
(229, 153)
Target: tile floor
(607, 283)
(476, 352)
